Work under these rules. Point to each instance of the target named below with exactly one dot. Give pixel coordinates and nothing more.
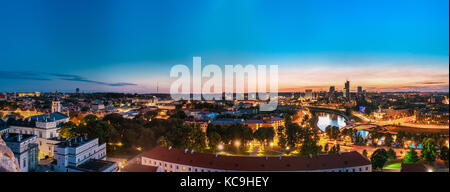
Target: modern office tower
(347, 90)
(308, 94)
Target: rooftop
(49, 117)
(75, 142)
(139, 168)
(13, 137)
(94, 165)
(227, 121)
(415, 168)
(247, 163)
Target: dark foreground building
(176, 160)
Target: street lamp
(237, 143)
(220, 147)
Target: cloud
(22, 75)
(53, 76)
(431, 82)
(68, 77)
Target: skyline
(130, 46)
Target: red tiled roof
(138, 168)
(247, 163)
(414, 168)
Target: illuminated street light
(220, 147)
(237, 143)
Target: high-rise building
(359, 90)
(347, 89)
(332, 89)
(78, 91)
(308, 94)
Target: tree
(282, 139)
(428, 150)
(88, 118)
(379, 158)
(364, 153)
(68, 130)
(162, 141)
(443, 154)
(411, 156)
(391, 154)
(179, 115)
(292, 134)
(325, 148)
(213, 140)
(388, 140)
(309, 146)
(332, 132)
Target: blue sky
(129, 45)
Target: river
(325, 119)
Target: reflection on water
(325, 119)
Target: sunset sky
(129, 46)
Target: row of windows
(102, 154)
(166, 166)
(31, 132)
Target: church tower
(56, 105)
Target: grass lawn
(395, 164)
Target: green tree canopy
(428, 150)
(379, 158)
(411, 156)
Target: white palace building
(45, 127)
(176, 160)
(81, 154)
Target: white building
(25, 149)
(45, 127)
(97, 107)
(81, 154)
(175, 160)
